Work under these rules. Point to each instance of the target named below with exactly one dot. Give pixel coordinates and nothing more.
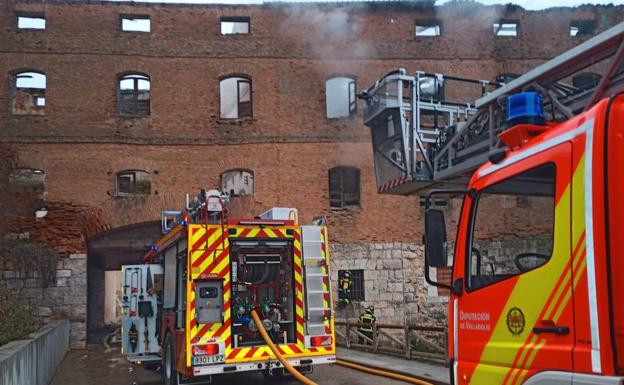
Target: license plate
(204, 360)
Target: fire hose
(347, 364)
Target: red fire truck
(188, 307)
(538, 164)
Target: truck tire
(169, 373)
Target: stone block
(395, 287)
(78, 313)
(63, 273)
(32, 293)
(393, 264)
(77, 281)
(371, 264)
(32, 282)
(61, 282)
(8, 274)
(75, 296)
(78, 256)
(77, 335)
(54, 295)
(14, 283)
(44, 311)
(77, 266)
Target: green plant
(29, 256)
(17, 319)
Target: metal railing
(405, 341)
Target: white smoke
(329, 34)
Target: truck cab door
(514, 317)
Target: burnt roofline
(354, 5)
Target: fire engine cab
(188, 307)
(537, 294)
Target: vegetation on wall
(17, 319)
(26, 255)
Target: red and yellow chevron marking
(209, 257)
(298, 267)
(326, 287)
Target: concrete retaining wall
(34, 361)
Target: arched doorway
(106, 253)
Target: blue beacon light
(525, 108)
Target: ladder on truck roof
(316, 273)
(423, 137)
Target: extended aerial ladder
(423, 137)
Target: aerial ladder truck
(537, 288)
(217, 295)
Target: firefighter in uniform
(367, 317)
(344, 289)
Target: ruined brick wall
(81, 143)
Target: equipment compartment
(262, 279)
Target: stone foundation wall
(394, 283)
(65, 298)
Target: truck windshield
(512, 227)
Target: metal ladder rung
(316, 275)
(318, 309)
(318, 291)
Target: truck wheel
(170, 375)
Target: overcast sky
(528, 4)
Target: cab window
(512, 227)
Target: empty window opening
(344, 187)
(506, 28)
(428, 28)
(237, 182)
(29, 94)
(29, 21)
(135, 23)
(134, 182)
(234, 25)
(340, 97)
(134, 95)
(582, 27)
(28, 177)
(235, 97)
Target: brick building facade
(101, 130)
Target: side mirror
(435, 239)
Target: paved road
(94, 366)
